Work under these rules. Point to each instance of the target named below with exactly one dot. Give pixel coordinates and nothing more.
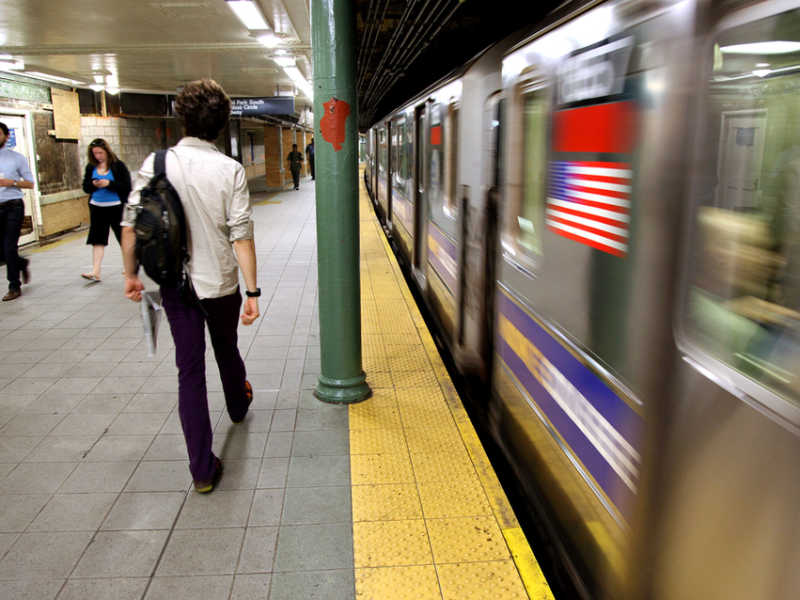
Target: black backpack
(160, 228)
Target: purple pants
(187, 323)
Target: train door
(493, 136)
(389, 173)
(402, 203)
(443, 264)
(420, 186)
(729, 516)
(20, 140)
(382, 178)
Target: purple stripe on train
(600, 428)
(442, 257)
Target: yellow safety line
(532, 577)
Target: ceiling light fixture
(302, 84)
(284, 61)
(270, 40)
(774, 47)
(97, 87)
(248, 13)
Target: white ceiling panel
(154, 45)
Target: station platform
(392, 498)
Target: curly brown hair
(203, 109)
(101, 143)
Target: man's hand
(250, 312)
(6, 182)
(100, 183)
(134, 288)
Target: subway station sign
(250, 107)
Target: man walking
(310, 156)
(15, 176)
(213, 191)
(295, 161)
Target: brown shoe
(205, 487)
(12, 295)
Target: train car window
(450, 204)
(408, 142)
(393, 153)
(441, 186)
(382, 151)
(743, 301)
(399, 158)
(525, 221)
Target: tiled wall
(130, 139)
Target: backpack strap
(160, 163)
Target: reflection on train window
(744, 302)
(528, 218)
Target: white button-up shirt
(216, 202)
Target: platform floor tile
(409, 583)
(496, 580)
(430, 519)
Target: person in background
(15, 176)
(108, 183)
(295, 159)
(310, 156)
(219, 228)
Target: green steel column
(336, 147)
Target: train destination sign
(250, 107)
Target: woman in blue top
(108, 183)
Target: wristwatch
(254, 294)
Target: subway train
(602, 216)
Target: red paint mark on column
(332, 122)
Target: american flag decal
(589, 202)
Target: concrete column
(333, 42)
(287, 137)
(303, 138)
(272, 157)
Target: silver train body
(604, 219)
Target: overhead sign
(595, 73)
(250, 107)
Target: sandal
(91, 277)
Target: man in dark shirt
(310, 156)
(295, 159)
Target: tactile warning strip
(430, 519)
